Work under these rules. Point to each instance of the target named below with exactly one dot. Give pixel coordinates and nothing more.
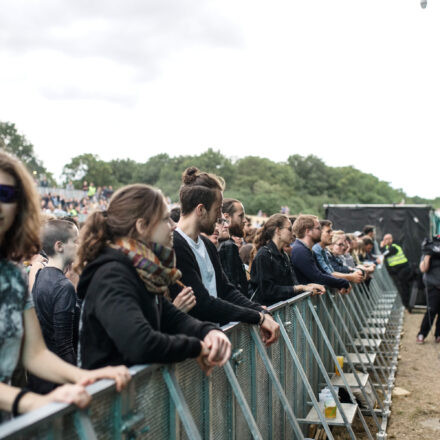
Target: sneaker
(420, 339)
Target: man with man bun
(217, 300)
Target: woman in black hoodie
(127, 265)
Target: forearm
(8, 395)
(47, 365)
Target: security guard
(398, 267)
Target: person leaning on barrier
(272, 276)
(337, 249)
(430, 267)
(20, 333)
(325, 258)
(308, 232)
(201, 198)
(233, 211)
(127, 265)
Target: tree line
(303, 183)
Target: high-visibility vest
(396, 259)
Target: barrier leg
(282, 396)
(242, 402)
(323, 370)
(181, 406)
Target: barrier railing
(261, 393)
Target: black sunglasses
(8, 193)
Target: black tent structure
(409, 225)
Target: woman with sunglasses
(20, 333)
(272, 275)
(127, 264)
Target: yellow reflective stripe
(397, 259)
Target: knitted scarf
(156, 265)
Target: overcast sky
(355, 82)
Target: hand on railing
(69, 393)
(216, 350)
(269, 330)
(356, 277)
(185, 300)
(316, 289)
(121, 375)
(345, 291)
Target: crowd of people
(140, 283)
(76, 204)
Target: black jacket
(308, 270)
(272, 277)
(231, 305)
(123, 323)
(233, 266)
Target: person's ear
(226, 216)
(200, 209)
(59, 247)
(140, 226)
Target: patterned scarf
(156, 265)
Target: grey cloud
(137, 33)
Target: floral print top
(14, 300)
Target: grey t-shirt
(14, 300)
(205, 265)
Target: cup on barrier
(340, 360)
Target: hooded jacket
(123, 323)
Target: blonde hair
(337, 235)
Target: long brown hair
(22, 240)
(267, 231)
(126, 206)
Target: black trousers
(402, 279)
(432, 310)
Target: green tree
(124, 171)
(18, 145)
(88, 167)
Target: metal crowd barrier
(261, 393)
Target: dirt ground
(417, 416)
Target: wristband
(16, 401)
(262, 320)
(266, 312)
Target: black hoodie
(123, 323)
